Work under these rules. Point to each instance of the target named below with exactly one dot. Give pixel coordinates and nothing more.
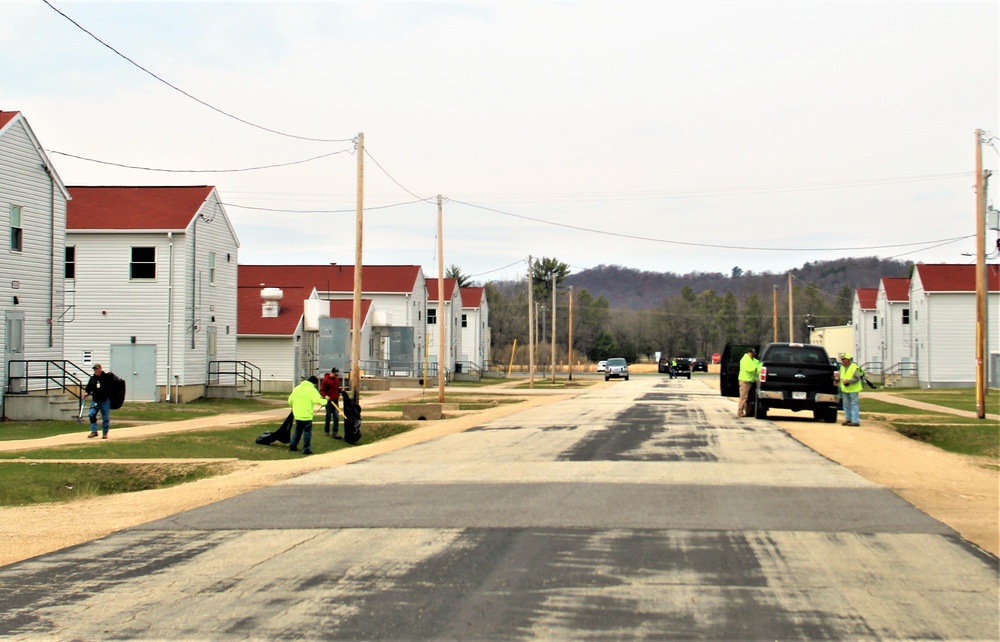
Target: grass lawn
(963, 435)
(958, 398)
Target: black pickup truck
(794, 376)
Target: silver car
(616, 368)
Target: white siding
(275, 356)
(34, 275)
(866, 337)
(110, 308)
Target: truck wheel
(760, 410)
(689, 376)
(626, 377)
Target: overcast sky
(661, 136)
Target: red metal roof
(432, 289)
(937, 277)
(134, 208)
(290, 309)
(897, 289)
(867, 297)
(6, 117)
(331, 278)
(471, 297)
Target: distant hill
(633, 289)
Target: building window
(70, 272)
(432, 316)
(16, 232)
(465, 321)
(875, 322)
(906, 316)
(211, 268)
(143, 265)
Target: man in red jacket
(330, 388)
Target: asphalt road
(641, 510)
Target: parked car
(616, 367)
(700, 365)
(602, 366)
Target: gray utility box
(334, 344)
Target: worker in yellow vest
(749, 371)
(850, 385)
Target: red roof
(432, 289)
(134, 208)
(331, 278)
(290, 309)
(955, 278)
(471, 297)
(6, 117)
(896, 288)
(866, 298)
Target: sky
(661, 136)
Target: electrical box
(334, 344)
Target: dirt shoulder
(963, 492)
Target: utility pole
(774, 321)
(569, 350)
(553, 327)
(981, 283)
(358, 234)
(541, 337)
(791, 326)
(531, 329)
(441, 315)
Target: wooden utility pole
(441, 315)
(569, 349)
(774, 319)
(531, 328)
(553, 327)
(981, 283)
(791, 316)
(358, 234)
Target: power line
(472, 276)
(200, 171)
(345, 211)
(391, 178)
(708, 245)
(197, 100)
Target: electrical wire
(199, 171)
(391, 178)
(472, 276)
(708, 245)
(353, 209)
(197, 100)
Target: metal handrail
(56, 373)
(242, 373)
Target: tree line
(686, 323)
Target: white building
(892, 305)
(867, 339)
(943, 303)
(151, 286)
(475, 324)
(33, 209)
(451, 316)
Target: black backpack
(117, 393)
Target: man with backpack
(99, 389)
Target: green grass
(957, 398)
(962, 435)
(36, 483)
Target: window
(906, 316)
(211, 268)
(70, 271)
(431, 316)
(16, 232)
(875, 322)
(143, 265)
(465, 321)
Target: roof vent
(271, 297)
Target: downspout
(194, 271)
(52, 250)
(170, 307)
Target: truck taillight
(763, 374)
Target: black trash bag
(282, 434)
(352, 419)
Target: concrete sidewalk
(903, 401)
